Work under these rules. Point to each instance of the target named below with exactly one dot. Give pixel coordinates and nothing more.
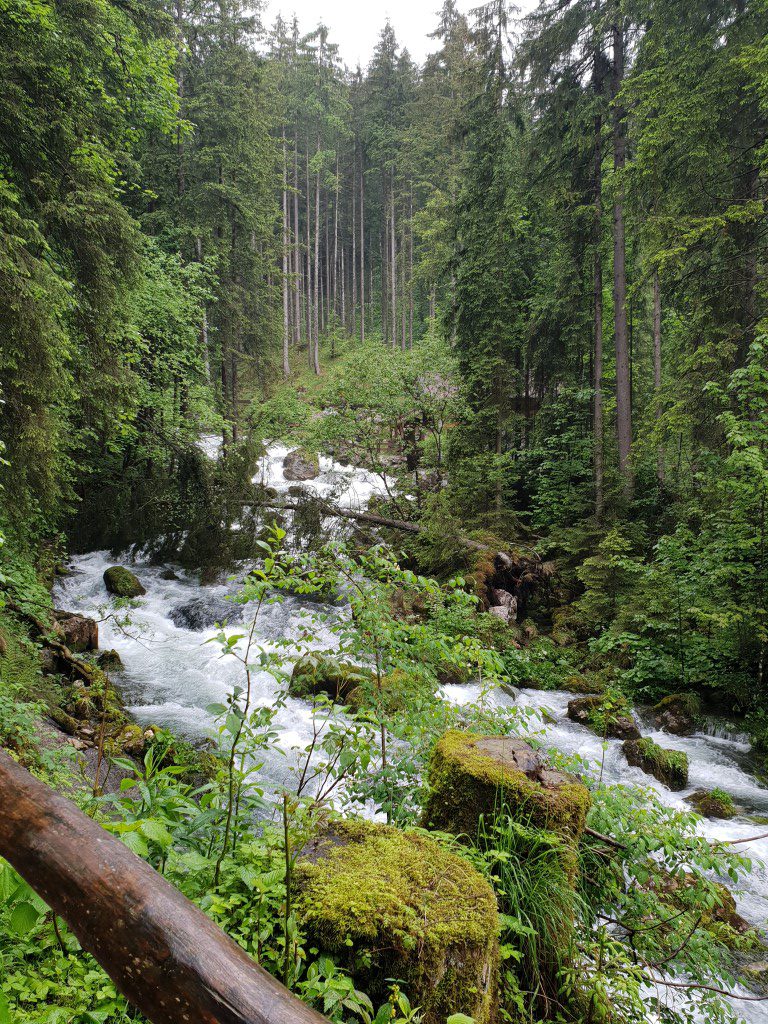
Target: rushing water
(172, 674)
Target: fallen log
(162, 952)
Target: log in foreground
(164, 954)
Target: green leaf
(24, 917)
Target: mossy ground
(391, 904)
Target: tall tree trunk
(393, 262)
(597, 411)
(343, 292)
(286, 230)
(336, 243)
(410, 269)
(296, 247)
(623, 384)
(362, 250)
(308, 281)
(657, 368)
(353, 304)
(316, 311)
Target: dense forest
(433, 397)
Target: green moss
(388, 904)
(466, 783)
(315, 674)
(670, 767)
(714, 804)
(397, 691)
(687, 702)
(122, 582)
(584, 684)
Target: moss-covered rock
(315, 674)
(712, 803)
(301, 465)
(122, 582)
(395, 692)
(110, 661)
(678, 714)
(387, 904)
(584, 684)
(469, 776)
(605, 714)
(670, 767)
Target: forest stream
(172, 674)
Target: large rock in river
(605, 716)
(301, 465)
(388, 904)
(122, 582)
(471, 776)
(670, 767)
(678, 714)
(80, 633)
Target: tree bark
(597, 412)
(286, 305)
(296, 247)
(657, 368)
(316, 310)
(362, 250)
(623, 384)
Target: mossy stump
(388, 904)
(471, 776)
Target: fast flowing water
(172, 673)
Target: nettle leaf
(156, 832)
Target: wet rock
(510, 690)
(712, 804)
(670, 767)
(678, 714)
(755, 974)
(110, 661)
(373, 896)
(122, 582)
(78, 631)
(502, 612)
(169, 574)
(605, 717)
(3, 645)
(205, 611)
(503, 599)
(301, 465)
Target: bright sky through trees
(355, 25)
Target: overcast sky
(355, 24)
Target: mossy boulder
(388, 904)
(301, 465)
(607, 715)
(712, 803)
(584, 684)
(315, 674)
(678, 714)
(670, 767)
(122, 582)
(110, 661)
(469, 776)
(396, 691)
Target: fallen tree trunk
(348, 513)
(165, 955)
